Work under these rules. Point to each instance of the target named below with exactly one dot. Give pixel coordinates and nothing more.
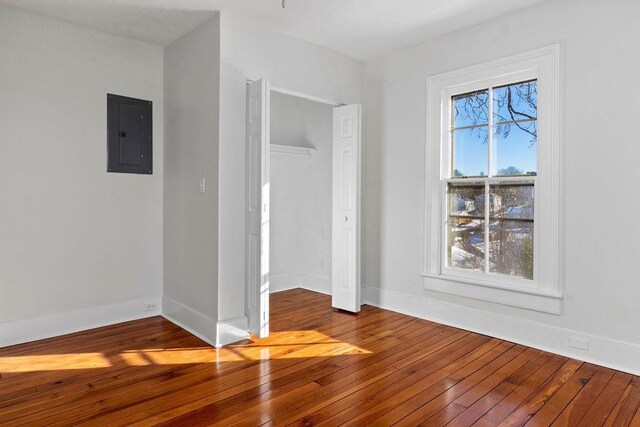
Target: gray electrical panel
(129, 135)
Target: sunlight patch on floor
(292, 344)
(280, 345)
(53, 362)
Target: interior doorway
(303, 199)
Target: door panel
(346, 208)
(257, 152)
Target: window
(493, 158)
(492, 182)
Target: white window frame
(543, 293)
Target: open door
(346, 208)
(257, 167)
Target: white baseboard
(21, 331)
(613, 354)
(190, 320)
(283, 282)
(316, 283)
(233, 330)
(215, 333)
(311, 282)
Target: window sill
(530, 299)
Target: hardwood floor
(319, 367)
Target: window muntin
(493, 148)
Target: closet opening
(301, 193)
(303, 199)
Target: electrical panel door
(129, 135)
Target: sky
(471, 155)
(516, 148)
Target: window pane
(515, 149)
(466, 226)
(511, 248)
(466, 243)
(511, 229)
(515, 102)
(466, 200)
(470, 109)
(511, 200)
(470, 152)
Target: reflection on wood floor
(319, 367)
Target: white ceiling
(361, 29)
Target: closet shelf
(292, 150)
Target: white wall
(191, 85)
(250, 52)
(600, 59)
(73, 236)
(300, 218)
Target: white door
(257, 168)
(346, 208)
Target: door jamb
(297, 94)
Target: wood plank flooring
(319, 367)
